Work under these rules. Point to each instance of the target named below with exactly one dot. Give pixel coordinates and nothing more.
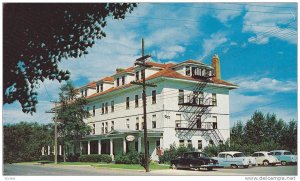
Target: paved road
(54, 170)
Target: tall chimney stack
(216, 65)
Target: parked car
(234, 159)
(265, 158)
(195, 160)
(285, 157)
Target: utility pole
(55, 131)
(142, 62)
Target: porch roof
(119, 133)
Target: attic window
(123, 80)
(85, 92)
(187, 70)
(118, 83)
(101, 87)
(137, 77)
(97, 88)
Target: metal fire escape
(196, 108)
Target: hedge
(128, 158)
(60, 158)
(95, 158)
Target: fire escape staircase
(196, 109)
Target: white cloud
(210, 44)
(264, 84)
(270, 25)
(170, 52)
(225, 15)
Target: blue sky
(256, 43)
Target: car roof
(230, 152)
(262, 152)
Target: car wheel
(174, 167)
(266, 163)
(246, 166)
(209, 168)
(283, 163)
(234, 166)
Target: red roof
(166, 71)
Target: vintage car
(234, 159)
(285, 157)
(195, 160)
(265, 158)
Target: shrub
(60, 158)
(128, 158)
(95, 158)
(73, 157)
(173, 153)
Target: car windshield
(287, 153)
(200, 155)
(238, 155)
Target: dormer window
(137, 75)
(82, 93)
(187, 70)
(85, 92)
(142, 74)
(123, 80)
(118, 83)
(97, 88)
(101, 87)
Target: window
(137, 125)
(187, 71)
(143, 124)
(189, 144)
(123, 80)
(201, 98)
(102, 128)
(178, 121)
(154, 97)
(215, 123)
(137, 76)
(106, 107)
(93, 129)
(211, 142)
(127, 102)
(136, 100)
(277, 153)
(94, 110)
(181, 97)
(101, 87)
(154, 121)
(181, 143)
(127, 123)
(200, 145)
(195, 96)
(102, 108)
(287, 153)
(85, 92)
(106, 127)
(214, 99)
(112, 127)
(97, 88)
(112, 106)
(118, 83)
(82, 93)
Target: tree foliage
(24, 141)
(71, 112)
(263, 132)
(36, 37)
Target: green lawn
(153, 166)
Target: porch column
(48, 150)
(111, 148)
(161, 142)
(89, 147)
(124, 145)
(99, 147)
(43, 150)
(139, 144)
(80, 147)
(60, 150)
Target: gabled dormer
(155, 67)
(194, 69)
(104, 84)
(87, 90)
(123, 76)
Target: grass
(153, 166)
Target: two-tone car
(285, 157)
(194, 160)
(265, 158)
(234, 159)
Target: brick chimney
(216, 65)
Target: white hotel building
(115, 105)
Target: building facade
(117, 121)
